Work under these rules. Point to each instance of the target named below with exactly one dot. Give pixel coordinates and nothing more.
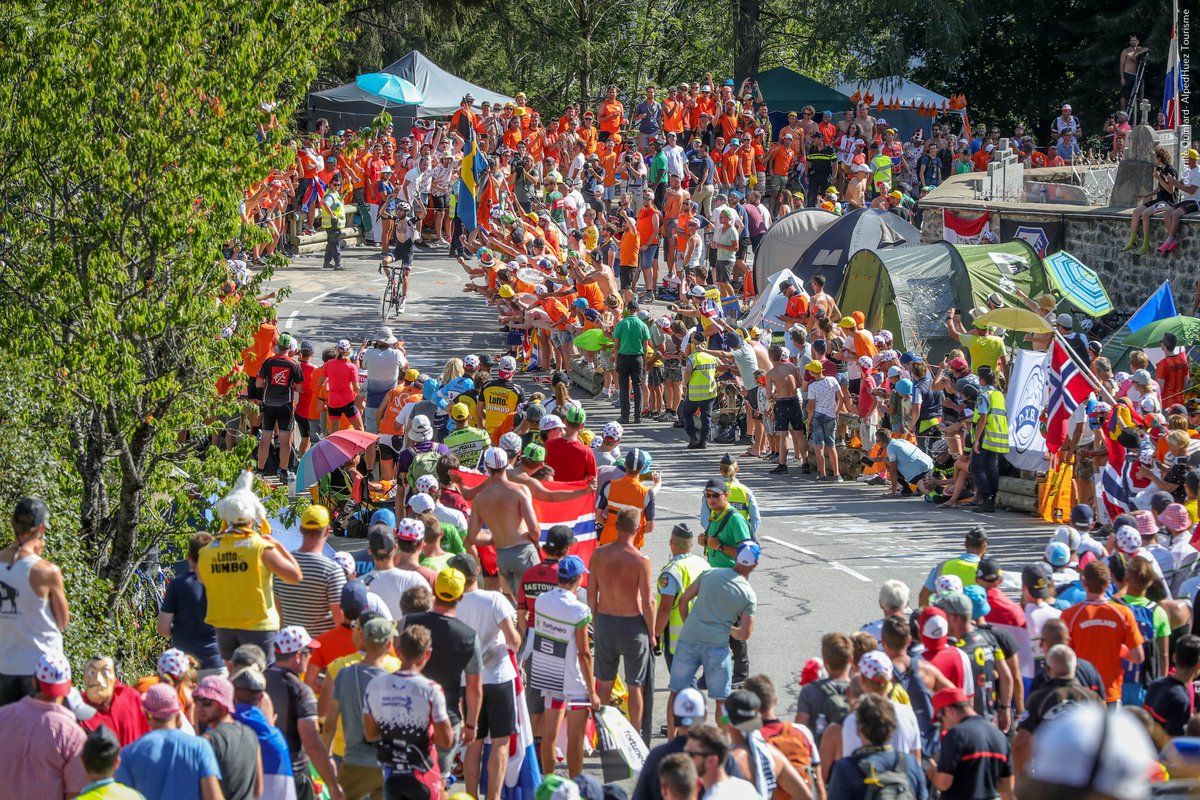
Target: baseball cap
(571, 568)
(559, 537)
(989, 570)
(1082, 515)
(637, 462)
(846, 322)
(1129, 541)
(459, 412)
(1056, 554)
(948, 584)
(689, 706)
(1192, 153)
(875, 666)
(378, 630)
(53, 675)
(161, 701)
(449, 584)
(410, 530)
(748, 554)
(575, 414)
(956, 604)
(411, 375)
(550, 422)
(1065, 321)
(933, 625)
(216, 688)
(716, 485)
(30, 512)
(957, 363)
(948, 697)
(495, 458)
(354, 599)
(380, 541)
(173, 662)
(743, 710)
(249, 678)
(980, 607)
(1141, 377)
(1068, 536)
(534, 412)
(1037, 580)
(1087, 747)
(315, 517)
(1159, 500)
(294, 638)
(534, 452)
(466, 564)
(421, 503)
(385, 517)
(420, 429)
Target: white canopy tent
(909, 93)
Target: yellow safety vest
(739, 498)
(702, 383)
(995, 429)
(237, 584)
(962, 568)
(685, 569)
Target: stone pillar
(1135, 173)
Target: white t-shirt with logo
(554, 667)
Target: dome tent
(786, 240)
(909, 290)
(862, 229)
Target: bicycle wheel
(383, 306)
(389, 298)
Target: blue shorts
(823, 430)
(717, 663)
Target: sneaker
(693, 445)
(986, 507)
(677, 424)
(623, 420)
(283, 476)
(806, 469)
(838, 479)
(875, 480)
(403, 303)
(779, 470)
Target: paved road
(828, 547)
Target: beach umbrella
(390, 87)
(330, 453)
(1078, 283)
(1014, 319)
(1186, 330)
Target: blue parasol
(1078, 283)
(390, 87)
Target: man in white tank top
(33, 602)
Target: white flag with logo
(1027, 388)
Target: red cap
(813, 671)
(948, 697)
(957, 363)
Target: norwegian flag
(1119, 484)
(1068, 388)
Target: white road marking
(848, 571)
(323, 295)
(290, 320)
(807, 552)
(791, 546)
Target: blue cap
(1057, 554)
(1082, 514)
(571, 568)
(907, 357)
(637, 462)
(729, 81)
(354, 599)
(579, 302)
(748, 553)
(384, 516)
(979, 602)
(827, 113)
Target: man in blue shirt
(906, 463)
(1067, 148)
(184, 607)
(167, 763)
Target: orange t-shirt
(630, 244)
(591, 292)
(609, 162)
(1098, 630)
(728, 126)
(797, 306)
(614, 107)
(672, 116)
(512, 138)
(863, 343)
(647, 230)
(706, 104)
(260, 350)
(780, 160)
(588, 136)
(746, 154)
(981, 159)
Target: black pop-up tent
(348, 106)
(862, 229)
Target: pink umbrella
(330, 453)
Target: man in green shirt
(726, 529)
(657, 179)
(629, 343)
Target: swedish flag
(470, 172)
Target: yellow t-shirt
(390, 663)
(985, 350)
(237, 583)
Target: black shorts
(349, 411)
(1188, 206)
(498, 713)
(628, 274)
(439, 202)
(386, 452)
(304, 426)
(788, 415)
(743, 247)
(724, 271)
(854, 385)
(277, 417)
(752, 398)
(403, 252)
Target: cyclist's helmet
(403, 208)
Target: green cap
(534, 452)
(575, 414)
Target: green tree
(128, 145)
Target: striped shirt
(307, 603)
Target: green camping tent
(908, 290)
(786, 90)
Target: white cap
(507, 364)
(550, 422)
(426, 484)
(420, 429)
(948, 584)
(1129, 540)
(495, 458)
(421, 503)
(689, 706)
(613, 430)
(696, 291)
(1087, 744)
(510, 442)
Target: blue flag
(1160, 305)
(471, 170)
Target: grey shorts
(511, 562)
(621, 638)
(371, 420)
(673, 371)
(561, 338)
(656, 376)
(823, 429)
(230, 639)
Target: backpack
(836, 705)
(422, 464)
(1138, 676)
(891, 784)
(795, 747)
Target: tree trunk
(747, 38)
(583, 14)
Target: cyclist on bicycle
(404, 231)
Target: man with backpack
(795, 742)
(876, 771)
(419, 458)
(1155, 628)
(823, 702)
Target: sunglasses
(713, 495)
(699, 753)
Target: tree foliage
(127, 143)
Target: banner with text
(1026, 400)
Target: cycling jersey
(500, 400)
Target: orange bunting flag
(868, 98)
(854, 98)
(879, 106)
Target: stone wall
(1095, 237)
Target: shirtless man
(865, 121)
(808, 123)
(619, 596)
(505, 508)
(1128, 66)
(672, 208)
(783, 390)
(602, 276)
(691, 257)
(819, 299)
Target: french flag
(1068, 388)
(1173, 87)
(523, 774)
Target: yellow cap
(814, 366)
(507, 292)
(315, 517)
(895, 193)
(449, 584)
(846, 322)
(1192, 154)
(411, 375)
(459, 412)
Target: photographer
(593, 178)
(631, 176)
(526, 176)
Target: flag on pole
(1160, 305)
(470, 171)
(1068, 388)
(523, 774)
(1119, 484)
(1173, 86)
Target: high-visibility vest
(467, 445)
(995, 429)
(702, 383)
(962, 568)
(685, 569)
(237, 583)
(625, 492)
(739, 497)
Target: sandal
(749, 453)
